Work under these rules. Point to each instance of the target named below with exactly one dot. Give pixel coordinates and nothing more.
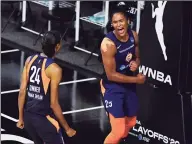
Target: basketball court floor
(79, 97)
(79, 91)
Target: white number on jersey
(35, 75)
(108, 103)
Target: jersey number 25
(35, 75)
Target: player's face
(120, 24)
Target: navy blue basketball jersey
(124, 55)
(38, 86)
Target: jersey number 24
(35, 75)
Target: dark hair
(118, 9)
(49, 41)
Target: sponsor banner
(150, 136)
(164, 48)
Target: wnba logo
(158, 13)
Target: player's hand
(140, 78)
(71, 132)
(20, 124)
(133, 66)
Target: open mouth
(120, 30)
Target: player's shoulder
(136, 37)
(53, 71)
(107, 42)
(54, 68)
(29, 59)
(108, 46)
(134, 33)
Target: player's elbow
(22, 93)
(54, 105)
(110, 76)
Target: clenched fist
(140, 78)
(20, 124)
(71, 132)
(133, 66)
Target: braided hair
(49, 41)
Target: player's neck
(44, 55)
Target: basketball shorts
(120, 102)
(42, 130)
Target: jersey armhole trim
(45, 79)
(133, 37)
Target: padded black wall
(163, 108)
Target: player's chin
(122, 34)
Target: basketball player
(120, 56)
(127, 6)
(38, 102)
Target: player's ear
(128, 21)
(58, 46)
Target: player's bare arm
(54, 72)
(22, 94)
(137, 53)
(108, 51)
(135, 64)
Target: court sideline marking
(67, 112)
(62, 83)
(9, 51)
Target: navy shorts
(42, 129)
(120, 102)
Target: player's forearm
(121, 78)
(21, 102)
(58, 113)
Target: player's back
(38, 86)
